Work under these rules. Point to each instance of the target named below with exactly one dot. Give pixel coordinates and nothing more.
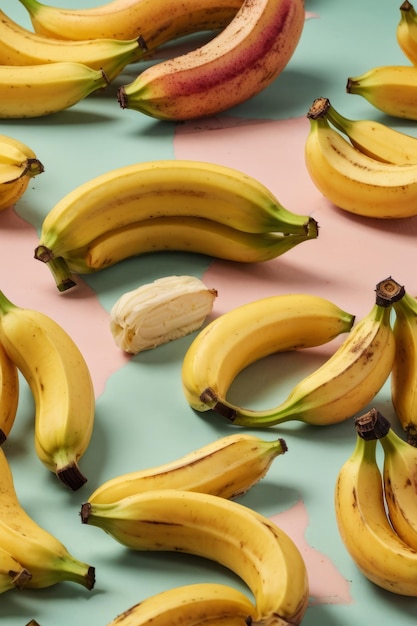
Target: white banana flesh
(155, 313)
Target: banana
(28, 91)
(341, 387)
(238, 63)
(390, 88)
(404, 370)
(354, 181)
(39, 552)
(9, 394)
(407, 31)
(190, 605)
(374, 139)
(156, 22)
(233, 535)
(18, 164)
(227, 467)
(20, 46)
(60, 381)
(12, 574)
(364, 527)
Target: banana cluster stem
(58, 267)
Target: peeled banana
(18, 164)
(407, 31)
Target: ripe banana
(39, 552)
(18, 164)
(9, 394)
(404, 371)
(374, 139)
(242, 60)
(407, 31)
(390, 88)
(237, 537)
(352, 180)
(28, 91)
(20, 46)
(341, 387)
(12, 574)
(364, 528)
(61, 384)
(156, 22)
(168, 204)
(227, 467)
(190, 605)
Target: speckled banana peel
(12, 573)
(376, 549)
(21, 46)
(60, 381)
(237, 64)
(9, 394)
(30, 91)
(39, 552)
(18, 164)
(227, 467)
(222, 530)
(191, 605)
(341, 387)
(155, 21)
(353, 181)
(406, 32)
(167, 204)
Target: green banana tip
(372, 425)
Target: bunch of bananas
(18, 164)
(377, 514)
(184, 205)
(60, 381)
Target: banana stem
(58, 267)
(372, 425)
(5, 304)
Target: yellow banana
(28, 91)
(61, 385)
(20, 46)
(227, 467)
(390, 88)
(341, 387)
(190, 605)
(354, 181)
(9, 394)
(407, 31)
(157, 22)
(12, 573)
(39, 552)
(238, 63)
(364, 528)
(18, 164)
(237, 537)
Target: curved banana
(9, 394)
(242, 60)
(61, 384)
(227, 467)
(252, 331)
(237, 537)
(39, 552)
(390, 88)
(12, 573)
(352, 180)
(374, 139)
(155, 21)
(341, 387)
(18, 164)
(28, 91)
(20, 46)
(364, 528)
(190, 605)
(404, 370)
(406, 32)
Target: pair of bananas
(185, 205)
(340, 388)
(18, 165)
(187, 506)
(376, 510)
(58, 376)
(237, 64)
(368, 168)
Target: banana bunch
(363, 175)
(60, 381)
(232, 67)
(208, 526)
(167, 205)
(376, 512)
(18, 164)
(42, 559)
(341, 387)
